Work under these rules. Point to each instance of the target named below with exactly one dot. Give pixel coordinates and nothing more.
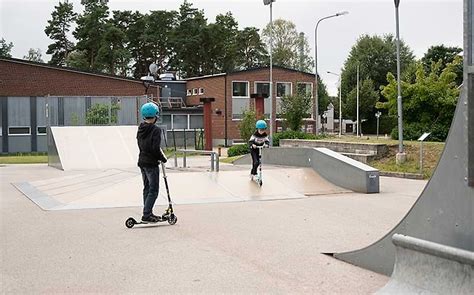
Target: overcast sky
(422, 23)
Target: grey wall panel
(52, 111)
(42, 143)
(74, 111)
(34, 143)
(127, 115)
(19, 144)
(19, 111)
(4, 123)
(41, 111)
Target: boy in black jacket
(258, 139)
(149, 141)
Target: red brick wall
(22, 79)
(214, 87)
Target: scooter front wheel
(130, 222)
(172, 219)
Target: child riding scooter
(257, 141)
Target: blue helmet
(261, 124)
(149, 110)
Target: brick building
(232, 93)
(25, 86)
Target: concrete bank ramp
(122, 188)
(92, 147)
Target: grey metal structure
(469, 82)
(334, 167)
(444, 213)
(425, 267)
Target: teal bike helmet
(149, 110)
(261, 124)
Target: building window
(41, 130)
(240, 98)
(196, 121)
(305, 88)
(263, 89)
(19, 130)
(180, 121)
(201, 91)
(166, 120)
(240, 89)
(283, 89)
(195, 91)
(188, 92)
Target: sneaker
(150, 218)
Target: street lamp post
(401, 156)
(270, 96)
(340, 101)
(316, 96)
(378, 114)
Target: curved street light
(316, 96)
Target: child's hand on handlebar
(254, 146)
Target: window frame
(22, 134)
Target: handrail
(214, 157)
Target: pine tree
(57, 29)
(91, 26)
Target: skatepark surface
(232, 238)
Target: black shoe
(151, 218)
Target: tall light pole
(316, 97)
(270, 96)
(377, 115)
(357, 111)
(340, 102)
(401, 156)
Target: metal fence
(93, 110)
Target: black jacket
(259, 139)
(149, 142)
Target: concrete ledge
(378, 150)
(345, 172)
(425, 267)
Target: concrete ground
(235, 247)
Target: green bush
(290, 134)
(237, 150)
(412, 131)
(247, 125)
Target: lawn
(24, 158)
(431, 154)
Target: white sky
(422, 23)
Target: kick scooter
(167, 216)
(259, 177)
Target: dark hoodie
(149, 142)
(259, 139)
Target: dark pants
(151, 186)
(255, 161)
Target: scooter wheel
(130, 222)
(260, 182)
(172, 219)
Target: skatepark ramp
(92, 147)
(334, 167)
(425, 267)
(444, 213)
